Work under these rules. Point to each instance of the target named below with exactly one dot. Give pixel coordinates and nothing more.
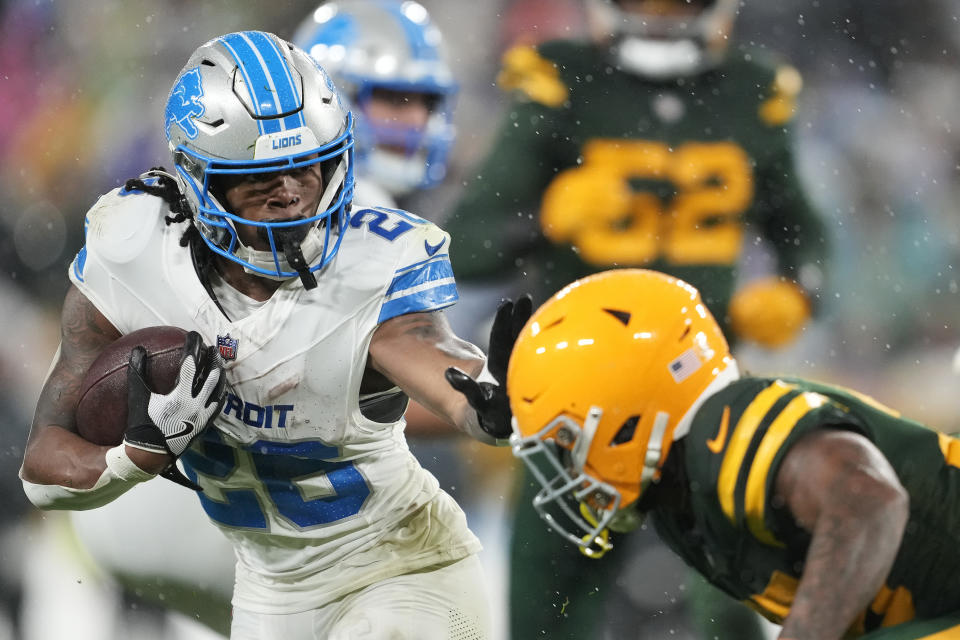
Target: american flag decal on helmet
(685, 365)
(227, 347)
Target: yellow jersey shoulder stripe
(739, 442)
(950, 448)
(780, 107)
(756, 494)
(526, 71)
(777, 598)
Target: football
(102, 411)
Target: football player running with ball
(402, 134)
(817, 506)
(330, 319)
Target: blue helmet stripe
(268, 79)
(252, 75)
(340, 29)
(288, 94)
(416, 34)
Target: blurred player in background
(403, 130)
(389, 61)
(652, 144)
(816, 505)
(337, 529)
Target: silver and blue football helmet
(252, 103)
(388, 44)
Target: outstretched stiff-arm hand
(416, 351)
(489, 398)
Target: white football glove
(169, 423)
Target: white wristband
(123, 467)
(120, 475)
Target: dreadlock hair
(167, 189)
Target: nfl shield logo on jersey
(227, 346)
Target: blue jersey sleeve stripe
(79, 263)
(436, 270)
(437, 258)
(427, 300)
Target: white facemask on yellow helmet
(663, 39)
(602, 380)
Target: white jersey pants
(443, 603)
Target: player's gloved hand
(168, 424)
(488, 393)
(769, 311)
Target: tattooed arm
(55, 454)
(841, 489)
(414, 350)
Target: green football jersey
(596, 168)
(735, 534)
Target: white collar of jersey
(312, 245)
(660, 59)
(724, 378)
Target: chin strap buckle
(290, 245)
(594, 547)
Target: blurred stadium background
(82, 90)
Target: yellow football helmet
(602, 380)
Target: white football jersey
(318, 499)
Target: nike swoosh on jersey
(432, 248)
(187, 430)
(716, 443)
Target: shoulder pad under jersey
(740, 437)
(122, 223)
(124, 238)
(531, 75)
(417, 254)
(780, 84)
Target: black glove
(487, 398)
(170, 423)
